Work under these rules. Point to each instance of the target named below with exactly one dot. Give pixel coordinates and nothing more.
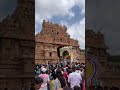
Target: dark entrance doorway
(58, 51)
(65, 54)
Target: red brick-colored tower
(51, 37)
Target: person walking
(45, 78)
(74, 78)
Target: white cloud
(64, 23)
(77, 31)
(81, 4)
(71, 14)
(46, 9)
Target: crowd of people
(57, 76)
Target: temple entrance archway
(66, 53)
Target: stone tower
(17, 47)
(108, 74)
(52, 37)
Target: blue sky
(70, 13)
(7, 7)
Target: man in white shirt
(79, 71)
(74, 78)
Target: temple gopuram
(49, 42)
(17, 47)
(99, 71)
